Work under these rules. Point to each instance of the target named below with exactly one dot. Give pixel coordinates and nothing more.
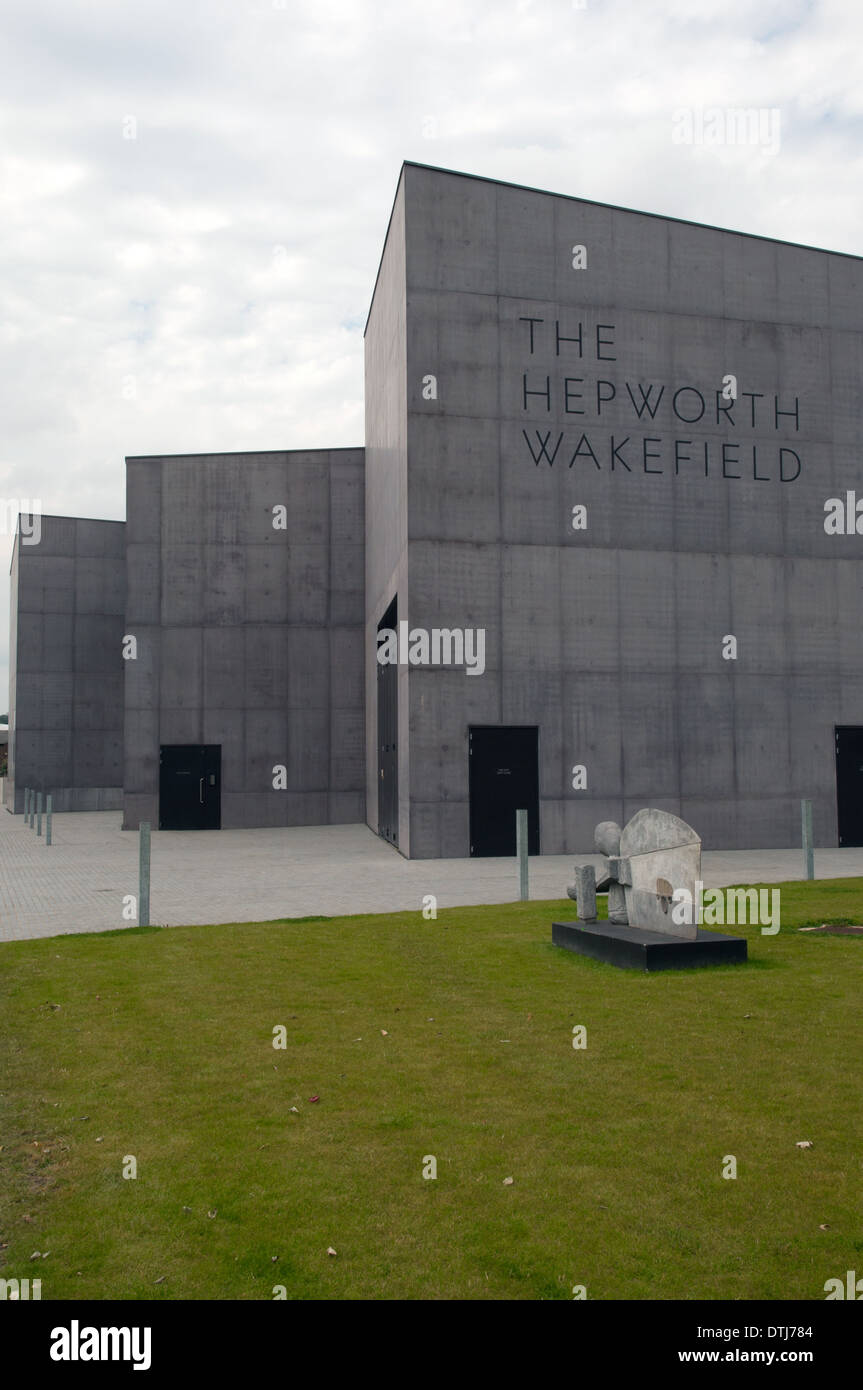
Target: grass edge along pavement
(409, 1039)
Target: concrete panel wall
(704, 517)
(386, 498)
(66, 665)
(249, 634)
(9, 780)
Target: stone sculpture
(654, 855)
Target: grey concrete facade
(386, 499)
(605, 439)
(610, 639)
(249, 632)
(65, 664)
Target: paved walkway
(78, 885)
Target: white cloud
(204, 285)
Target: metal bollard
(521, 852)
(808, 848)
(39, 815)
(144, 875)
(26, 803)
(49, 806)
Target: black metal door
(849, 783)
(388, 730)
(190, 793)
(504, 778)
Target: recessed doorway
(504, 778)
(190, 792)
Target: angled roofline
(404, 165)
(233, 453)
(58, 516)
(612, 207)
(64, 516)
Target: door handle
(201, 789)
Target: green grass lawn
(450, 1038)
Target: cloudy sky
(194, 193)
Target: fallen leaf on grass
(825, 1227)
(508, 1182)
(187, 1208)
(313, 1100)
(330, 1250)
(384, 1033)
(804, 1143)
(294, 1110)
(212, 1213)
(161, 1279)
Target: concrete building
(604, 531)
(65, 671)
(245, 599)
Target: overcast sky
(194, 193)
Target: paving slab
(204, 877)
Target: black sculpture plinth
(634, 949)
